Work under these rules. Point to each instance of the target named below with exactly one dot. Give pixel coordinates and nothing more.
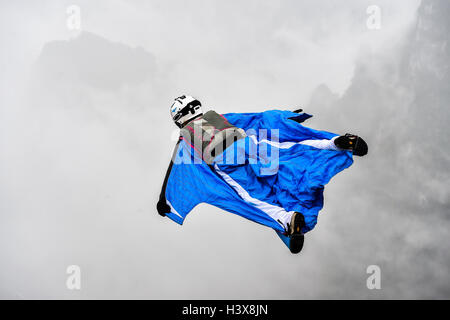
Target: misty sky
(86, 138)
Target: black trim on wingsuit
(162, 205)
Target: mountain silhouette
(94, 61)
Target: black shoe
(353, 143)
(295, 232)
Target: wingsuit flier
(266, 167)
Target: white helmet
(184, 109)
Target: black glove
(163, 208)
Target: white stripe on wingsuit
(319, 144)
(172, 209)
(276, 213)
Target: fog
(86, 139)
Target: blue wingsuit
(253, 186)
